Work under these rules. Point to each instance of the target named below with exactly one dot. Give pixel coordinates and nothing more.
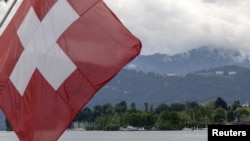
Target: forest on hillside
(230, 83)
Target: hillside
(230, 83)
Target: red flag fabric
(55, 55)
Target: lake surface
(199, 135)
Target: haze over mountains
(191, 61)
(200, 75)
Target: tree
(242, 112)
(191, 105)
(151, 108)
(177, 107)
(132, 118)
(107, 108)
(97, 111)
(121, 107)
(114, 123)
(219, 115)
(149, 120)
(133, 105)
(168, 121)
(161, 108)
(219, 102)
(146, 106)
(230, 116)
(236, 104)
(87, 115)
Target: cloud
(167, 26)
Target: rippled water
(200, 135)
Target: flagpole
(7, 13)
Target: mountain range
(231, 83)
(187, 62)
(198, 75)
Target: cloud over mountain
(171, 27)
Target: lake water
(199, 135)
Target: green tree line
(175, 116)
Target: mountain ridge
(187, 62)
(229, 82)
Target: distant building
(171, 74)
(205, 73)
(219, 72)
(232, 73)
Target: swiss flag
(55, 55)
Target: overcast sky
(175, 26)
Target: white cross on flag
(55, 55)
